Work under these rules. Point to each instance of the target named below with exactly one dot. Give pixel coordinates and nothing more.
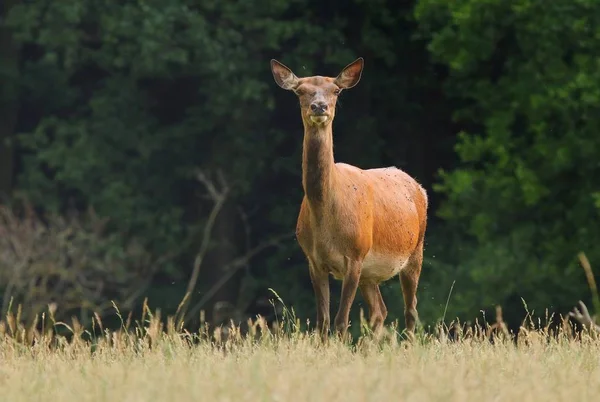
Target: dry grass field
(151, 362)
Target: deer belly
(376, 266)
(381, 267)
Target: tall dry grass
(155, 359)
(152, 359)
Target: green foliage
(139, 82)
(525, 77)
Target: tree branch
(582, 316)
(233, 267)
(219, 196)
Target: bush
(67, 261)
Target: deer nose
(318, 107)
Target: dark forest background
(145, 149)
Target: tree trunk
(9, 101)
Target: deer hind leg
(320, 282)
(377, 309)
(349, 288)
(409, 279)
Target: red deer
(361, 226)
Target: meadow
(152, 360)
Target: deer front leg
(349, 287)
(320, 282)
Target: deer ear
(351, 74)
(284, 77)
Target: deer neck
(317, 163)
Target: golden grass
(152, 363)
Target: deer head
(318, 95)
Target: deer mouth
(319, 118)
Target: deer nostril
(318, 107)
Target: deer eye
(337, 91)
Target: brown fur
(361, 226)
